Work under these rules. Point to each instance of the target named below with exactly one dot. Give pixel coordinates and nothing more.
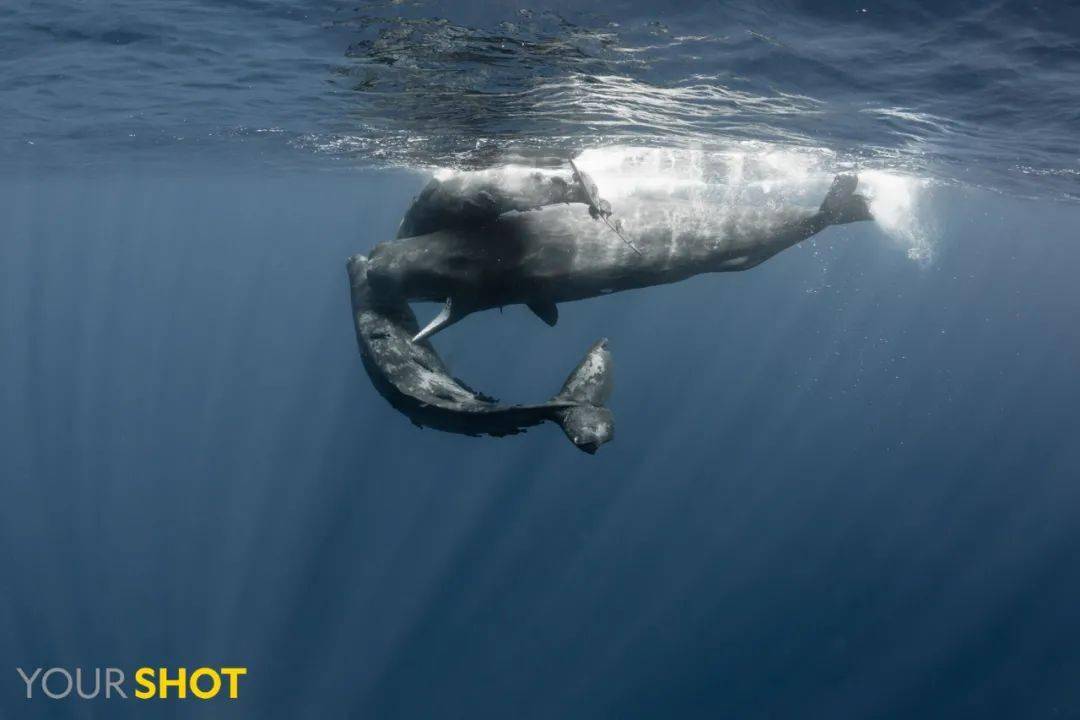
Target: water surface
(843, 484)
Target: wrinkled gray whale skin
(478, 242)
(479, 246)
(413, 378)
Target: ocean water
(844, 484)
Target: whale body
(547, 247)
(413, 378)
(480, 241)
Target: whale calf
(474, 244)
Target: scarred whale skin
(413, 378)
(559, 253)
(477, 243)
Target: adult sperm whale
(478, 241)
(412, 377)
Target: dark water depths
(844, 484)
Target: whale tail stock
(842, 204)
(580, 408)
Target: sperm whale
(413, 378)
(483, 240)
(475, 244)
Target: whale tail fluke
(842, 204)
(581, 409)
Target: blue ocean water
(843, 484)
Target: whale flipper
(450, 314)
(546, 311)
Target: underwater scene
(491, 359)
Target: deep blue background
(843, 484)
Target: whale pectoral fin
(546, 311)
(450, 314)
